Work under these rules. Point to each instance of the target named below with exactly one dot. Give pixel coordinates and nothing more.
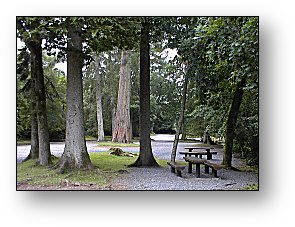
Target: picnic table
(190, 152)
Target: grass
(252, 187)
(107, 167)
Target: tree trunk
(180, 120)
(113, 106)
(146, 157)
(231, 122)
(122, 128)
(100, 131)
(43, 134)
(34, 151)
(75, 155)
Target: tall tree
(146, 157)
(181, 118)
(122, 132)
(30, 31)
(100, 129)
(75, 154)
(24, 69)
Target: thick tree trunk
(146, 157)
(231, 122)
(75, 155)
(100, 131)
(43, 134)
(180, 120)
(122, 128)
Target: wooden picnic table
(208, 153)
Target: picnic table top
(197, 152)
(191, 148)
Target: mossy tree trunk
(37, 73)
(145, 157)
(34, 151)
(75, 155)
(231, 122)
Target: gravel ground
(162, 178)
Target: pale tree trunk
(113, 106)
(146, 157)
(122, 127)
(43, 134)
(75, 155)
(100, 131)
(180, 120)
(231, 122)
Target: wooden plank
(194, 160)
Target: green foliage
(219, 52)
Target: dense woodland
(132, 76)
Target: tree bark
(100, 131)
(75, 155)
(146, 157)
(122, 128)
(180, 120)
(34, 151)
(43, 133)
(231, 122)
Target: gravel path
(161, 178)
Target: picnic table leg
(172, 170)
(189, 167)
(209, 155)
(206, 169)
(198, 169)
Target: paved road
(161, 146)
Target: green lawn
(107, 167)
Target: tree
(122, 132)
(24, 69)
(30, 31)
(75, 154)
(181, 118)
(146, 157)
(100, 129)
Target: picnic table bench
(197, 161)
(194, 161)
(176, 166)
(213, 166)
